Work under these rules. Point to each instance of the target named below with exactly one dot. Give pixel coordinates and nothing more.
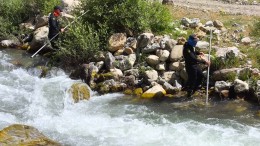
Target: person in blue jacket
(195, 75)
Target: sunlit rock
(152, 60)
(22, 135)
(40, 37)
(218, 24)
(80, 91)
(156, 91)
(176, 53)
(10, 43)
(221, 85)
(240, 86)
(117, 41)
(163, 54)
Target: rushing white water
(114, 119)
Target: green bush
(14, 12)
(221, 63)
(80, 45)
(256, 29)
(6, 28)
(130, 16)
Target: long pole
(57, 35)
(207, 91)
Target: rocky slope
(213, 5)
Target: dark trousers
(195, 77)
(54, 42)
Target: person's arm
(194, 57)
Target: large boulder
(10, 43)
(151, 48)
(22, 135)
(40, 37)
(224, 52)
(169, 76)
(156, 91)
(221, 85)
(202, 45)
(125, 62)
(144, 39)
(240, 86)
(41, 21)
(111, 86)
(176, 66)
(151, 75)
(152, 60)
(116, 41)
(176, 53)
(163, 54)
(225, 74)
(80, 91)
(109, 60)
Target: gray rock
(221, 85)
(176, 53)
(152, 60)
(151, 74)
(151, 48)
(109, 61)
(224, 74)
(161, 66)
(40, 37)
(163, 54)
(144, 39)
(133, 72)
(240, 86)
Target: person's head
(57, 10)
(193, 39)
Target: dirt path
(215, 6)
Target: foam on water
(110, 119)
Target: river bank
(116, 119)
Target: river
(116, 119)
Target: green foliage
(254, 55)
(231, 76)
(134, 16)
(45, 6)
(245, 74)
(14, 12)
(256, 29)
(6, 28)
(80, 45)
(229, 61)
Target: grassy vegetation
(130, 16)
(79, 45)
(14, 12)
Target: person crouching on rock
(54, 26)
(193, 70)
